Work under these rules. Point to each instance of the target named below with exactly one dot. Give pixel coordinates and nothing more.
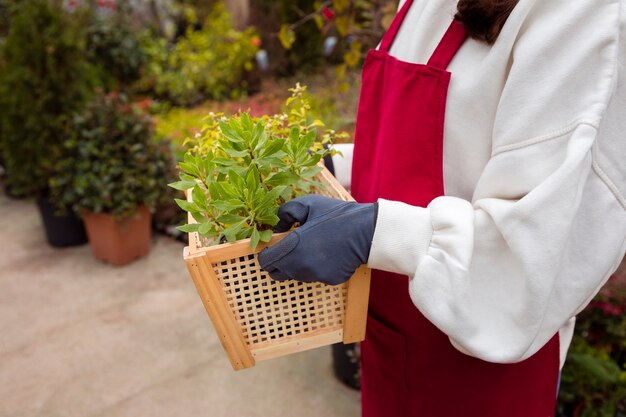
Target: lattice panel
(269, 310)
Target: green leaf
(274, 146)
(246, 123)
(185, 205)
(266, 235)
(199, 198)
(229, 132)
(273, 194)
(197, 216)
(244, 233)
(253, 181)
(189, 228)
(254, 238)
(205, 228)
(236, 154)
(189, 169)
(272, 161)
(215, 191)
(270, 219)
(186, 177)
(294, 136)
(224, 162)
(227, 206)
(258, 136)
(286, 36)
(281, 178)
(309, 139)
(311, 172)
(182, 185)
(236, 179)
(230, 218)
(231, 231)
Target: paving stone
(86, 339)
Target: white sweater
(533, 220)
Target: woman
(489, 236)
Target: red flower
(328, 13)
(108, 4)
(607, 308)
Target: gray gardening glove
(333, 240)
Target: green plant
(111, 161)
(594, 375)
(241, 169)
(211, 62)
(5, 17)
(44, 78)
(113, 47)
(359, 25)
(177, 124)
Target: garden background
(100, 100)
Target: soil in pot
(61, 231)
(119, 242)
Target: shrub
(111, 161)
(113, 47)
(44, 78)
(211, 62)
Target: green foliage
(5, 17)
(111, 161)
(114, 48)
(359, 24)
(305, 49)
(44, 78)
(211, 62)
(594, 376)
(177, 124)
(241, 169)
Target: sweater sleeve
(501, 274)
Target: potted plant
(239, 172)
(112, 173)
(44, 78)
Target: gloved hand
(334, 239)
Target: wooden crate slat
(215, 304)
(297, 345)
(356, 306)
(258, 318)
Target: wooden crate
(258, 318)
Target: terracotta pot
(122, 242)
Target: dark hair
(484, 19)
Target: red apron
(409, 367)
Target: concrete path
(79, 338)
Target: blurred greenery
(213, 62)
(5, 16)
(110, 162)
(594, 376)
(178, 124)
(44, 77)
(113, 47)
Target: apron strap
(448, 46)
(390, 34)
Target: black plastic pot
(61, 231)
(347, 364)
